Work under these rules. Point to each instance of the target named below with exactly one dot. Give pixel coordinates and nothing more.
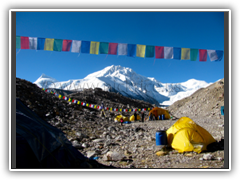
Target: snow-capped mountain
(128, 83)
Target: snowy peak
(128, 83)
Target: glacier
(125, 81)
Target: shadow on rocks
(216, 146)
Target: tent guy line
(130, 50)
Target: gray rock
(208, 156)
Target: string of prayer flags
(130, 50)
(141, 50)
(76, 45)
(94, 47)
(24, 42)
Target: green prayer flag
(149, 51)
(103, 48)
(57, 45)
(193, 54)
(18, 42)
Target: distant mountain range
(125, 81)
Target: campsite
(101, 142)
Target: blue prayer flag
(40, 43)
(131, 50)
(85, 47)
(176, 53)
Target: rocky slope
(131, 145)
(206, 102)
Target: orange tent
(159, 111)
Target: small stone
(207, 156)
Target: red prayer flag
(66, 45)
(112, 48)
(73, 100)
(81, 103)
(24, 42)
(202, 55)
(159, 52)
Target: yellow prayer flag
(120, 110)
(69, 100)
(60, 96)
(48, 44)
(141, 50)
(78, 102)
(185, 53)
(95, 106)
(94, 47)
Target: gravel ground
(141, 153)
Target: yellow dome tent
(159, 111)
(117, 118)
(185, 135)
(132, 118)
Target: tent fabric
(48, 46)
(112, 48)
(185, 53)
(32, 42)
(18, 42)
(57, 45)
(122, 49)
(94, 47)
(42, 139)
(159, 52)
(24, 42)
(168, 52)
(149, 51)
(193, 54)
(202, 55)
(131, 50)
(103, 48)
(66, 45)
(132, 118)
(159, 111)
(76, 45)
(40, 43)
(177, 53)
(186, 136)
(117, 118)
(141, 50)
(85, 47)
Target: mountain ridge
(127, 82)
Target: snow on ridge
(126, 81)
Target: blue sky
(200, 30)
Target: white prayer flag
(122, 49)
(32, 43)
(168, 52)
(76, 45)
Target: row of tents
(155, 112)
